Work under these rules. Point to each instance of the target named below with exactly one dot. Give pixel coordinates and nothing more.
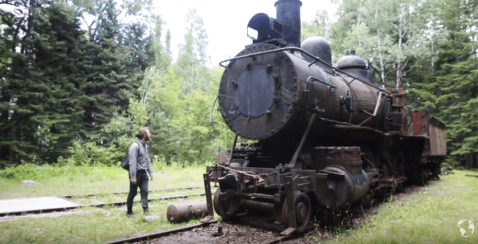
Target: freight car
(326, 137)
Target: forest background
(79, 77)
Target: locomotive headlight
(262, 28)
(253, 34)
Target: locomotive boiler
(325, 136)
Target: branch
(7, 2)
(90, 33)
(405, 63)
(405, 72)
(16, 34)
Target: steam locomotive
(325, 137)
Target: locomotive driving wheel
(386, 175)
(303, 211)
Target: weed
(427, 217)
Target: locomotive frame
(328, 137)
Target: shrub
(36, 172)
(91, 154)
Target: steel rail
(159, 234)
(280, 239)
(126, 192)
(49, 210)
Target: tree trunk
(382, 68)
(470, 160)
(399, 75)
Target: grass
(80, 180)
(97, 225)
(429, 216)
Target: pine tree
(191, 64)
(112, 76)
(457, 77)
(40, 102)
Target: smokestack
(288, 13)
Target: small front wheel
(303, 211)
(222, 206)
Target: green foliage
(40, 103)
(456, 77)
(180, 123)
(79, 100)
(192, 56)
(318, 27)
(390, 34)
(90, 154)
(37, 172)
(58, 85)
(423, 216)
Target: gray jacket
(139, 159)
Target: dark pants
(141, 181)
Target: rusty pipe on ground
(179, 213)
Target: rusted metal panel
(207, 187)
(222, 159)
(399, 99)
(437, 140)
(347, 157)
(420, 122)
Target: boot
(130, 215)
(146, 211)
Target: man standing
(139, 168)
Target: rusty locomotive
(325, 137)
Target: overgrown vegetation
(427, 216)
(77, 96)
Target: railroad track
(160, 233)
(125, 192)
(49, 210)
(275, 238)
(215, 231)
